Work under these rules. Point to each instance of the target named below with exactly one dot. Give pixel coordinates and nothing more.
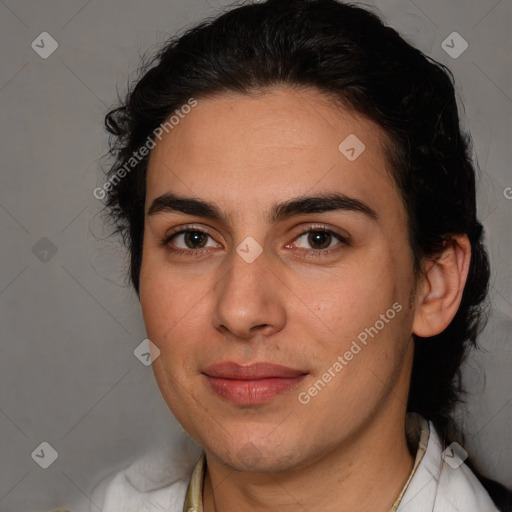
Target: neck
(365, 473)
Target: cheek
(177, 319)
(170, 312)
(158, 308)
(166, 297)
(352, 299)
(368, 317)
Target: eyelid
(341, 234)
(184, 229)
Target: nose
(249, 299)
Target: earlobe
(442, 284)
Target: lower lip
(252, 392)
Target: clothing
(161, 482)
(417, 435)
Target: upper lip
(254, 371)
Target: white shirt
(158, 481)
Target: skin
(289, 306)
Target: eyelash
(304, 252)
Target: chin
(255, 454)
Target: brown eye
(189, 240)
(319, 239)
(195, 239)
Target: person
(298, 201)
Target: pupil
(320, 239)
(195, 239)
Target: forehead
(247, 151)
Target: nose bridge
(245, 278)
(248, 295)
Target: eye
(319, 240)
(190, 240)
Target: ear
(441, 286)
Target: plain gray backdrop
(70, 323)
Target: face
(281, 308)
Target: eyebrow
(281, 211)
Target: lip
(252, 384)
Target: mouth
(253, 384)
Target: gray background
(70, 323)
